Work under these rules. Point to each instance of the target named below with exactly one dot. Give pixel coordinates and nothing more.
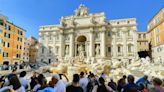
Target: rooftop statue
(81, 11)
(63, 22)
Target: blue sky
(30, 14)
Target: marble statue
(81, 11)
(93, 20)
(62, 22)
(81, 52)
(97, 50)
(67, 50)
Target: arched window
(50, 50)
(119, 49)
(130, 46)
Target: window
(50, 37)
(57, 50)
(140, 43)
(17, 55)
(158, 39)
(144, 35)
(0, 51)
(8, 45)
(157, 20)
(129, 48)
(42, 50)
(139, 36)
(109, 34)
(50, 50)
(157, 31)
(1, 31)
(128, 22)
(118, 22)
(20, 32)
(1, 41)
(49, 61)
(19, 39)
(8, 27)
(5, 54)
(118, 33)
(119, 49)
(129, 33)
(109, 49)
(3, 44)
(7, 35)
(1, 22)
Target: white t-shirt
(83, 83)
(21, 89)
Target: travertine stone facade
(124, 39)
(88, 36)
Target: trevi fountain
(88, 42)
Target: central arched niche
(81, 38)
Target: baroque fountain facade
(89, 42)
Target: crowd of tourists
(82, 82)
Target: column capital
(91, 30)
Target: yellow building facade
(142, 42)
(156, 36)
(12, 38)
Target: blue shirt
(47, 89)
(142, 80)
(131, 87)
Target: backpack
(91, 84)
(102, 88)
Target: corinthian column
(114, 47)
(71, 46)
(61, 45)
(125, 50)
(91, 47)
(103, 44)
